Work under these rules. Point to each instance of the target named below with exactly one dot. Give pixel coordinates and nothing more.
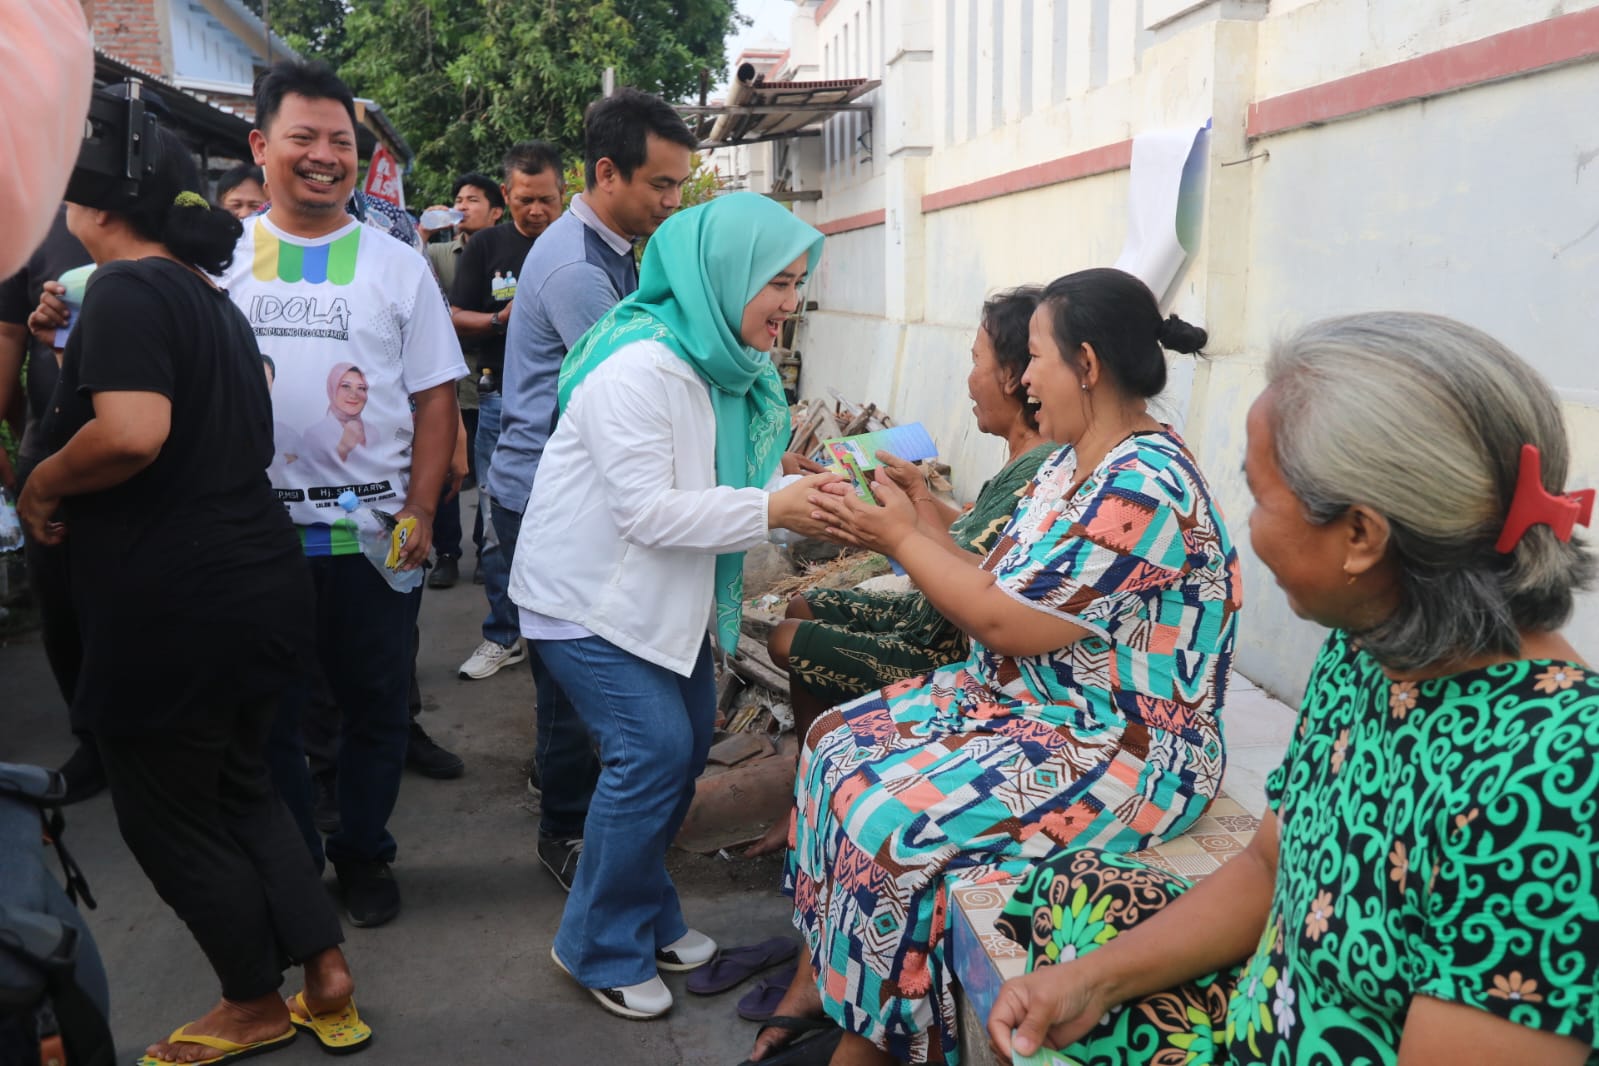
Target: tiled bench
(984, 958)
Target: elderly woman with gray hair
(1422, 888)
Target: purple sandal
(760, 1002)
(733, 966)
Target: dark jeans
(447, 519)
(567, 765)
(500, 624)
(199, 812)
(447, 528)
(473, 471)
(319, 722)
(364, 632)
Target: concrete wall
(1464, 184)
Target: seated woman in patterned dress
(1089, 708)
(1422, 888)
(838, 644)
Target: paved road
(463, 975)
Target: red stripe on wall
(1565, 39)
(853, 222)
(821, 12)
(1102, 160)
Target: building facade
(1434, 155)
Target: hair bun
(1180, 336)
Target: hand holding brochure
(910, 442)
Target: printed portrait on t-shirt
(339, 431)
(354, 325)
(502, 287)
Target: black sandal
(812, 1044)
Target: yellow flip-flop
(340, 1032)
(230, 1050)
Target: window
(1027, 57)
(949, 71)
(997, 66)
(1057, 45)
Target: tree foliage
(464, 79)
(312, 27)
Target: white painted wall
(1481, 205)
(203, 49)
(1307, 42)
(850, 278)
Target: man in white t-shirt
(365, 365)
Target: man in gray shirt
(637, 155)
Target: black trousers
(198, 810)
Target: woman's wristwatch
(496, 323)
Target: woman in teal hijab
(652, 486)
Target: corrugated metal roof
(757, 110)
(218, 129)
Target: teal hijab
(700, 270)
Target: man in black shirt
(480, 307)
(481, 204)
(47, 564)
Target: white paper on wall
(1153, 252)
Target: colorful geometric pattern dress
(983, 767)
(861, 641)
(1438, 839)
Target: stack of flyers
(910, 442)
(1042, 1057)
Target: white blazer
(626, 519)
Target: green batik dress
(861, 641)
(1437, 839)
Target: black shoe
(560, 858)
(446, 572)
(325, 802)
(83, 773)
(370, 893)
(477, 571)
(423, 754)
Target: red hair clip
(1532, 505)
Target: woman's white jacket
(625, 520)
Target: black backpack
(46, 1017)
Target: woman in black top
(194, 599)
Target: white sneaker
(490, 658)
(688, 952)
(642, 1001)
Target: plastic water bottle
(381, 537)
(10, 524)
(75, 281)
(437, 218)
(485, 380)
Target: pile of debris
(815, 422)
